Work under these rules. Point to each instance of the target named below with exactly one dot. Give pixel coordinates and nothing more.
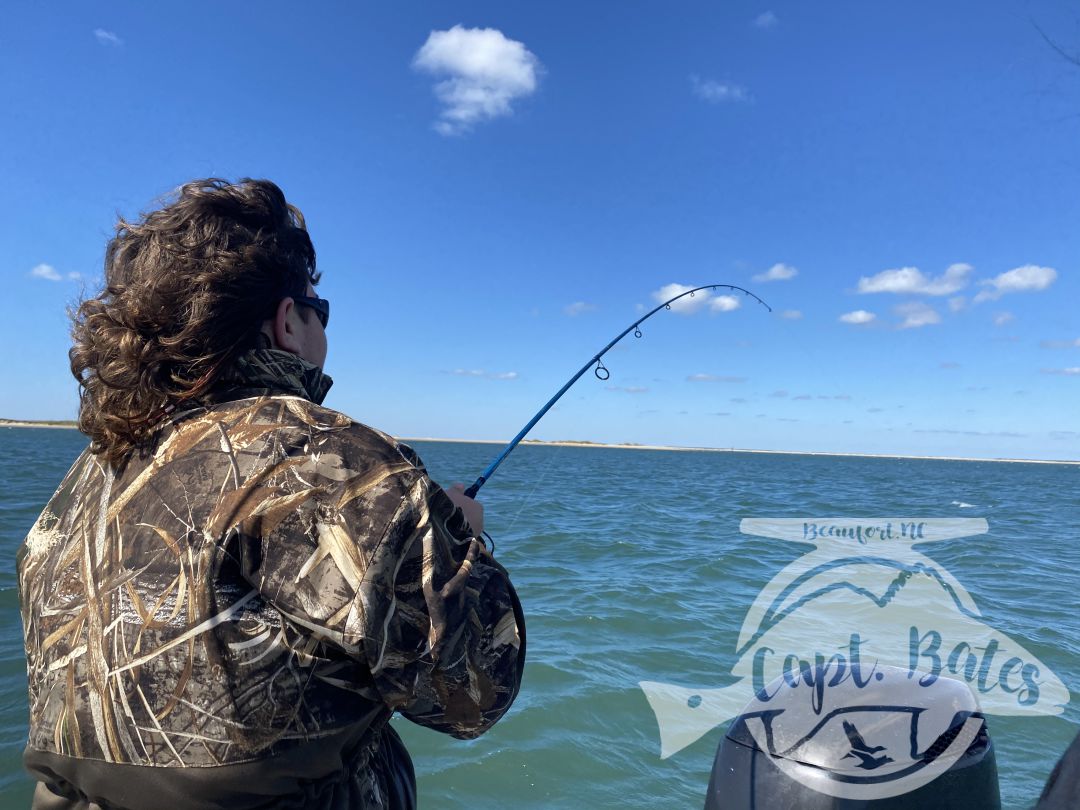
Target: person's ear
(284, 327)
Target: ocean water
(631, 566)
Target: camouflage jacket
(231, 620)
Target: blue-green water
(631, 567)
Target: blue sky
(495, 190)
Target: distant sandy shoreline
(537, 442)
(64, 425)
(19, 423)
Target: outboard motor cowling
(892, 741)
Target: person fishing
(235, 588)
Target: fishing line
(543, 474)
(600, 371)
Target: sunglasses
(320, 305)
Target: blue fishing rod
(601, 372)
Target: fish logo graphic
(862, 603)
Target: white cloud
(684, 306)
(724, 303)
(1002, 318)
(714, 378)
(778, 272)
(488, 375)
(791, 314)
(916, 314)
(859, 316)
(74, 276)
(1029, 278)
(577, 308)
(766, 19)
(717, 92)
(690, 304)
(957, 303)
(45, 271)
(910, 280)
(485, 72)
(107, 37)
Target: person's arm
(380, 563)
(476, 630)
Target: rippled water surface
(631, 567)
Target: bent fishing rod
(601, 372)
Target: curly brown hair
(187, 289)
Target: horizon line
(685, 449)
(68, 424)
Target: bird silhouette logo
(863, 752)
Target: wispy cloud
(1029, 278)
(738, 400)
(781, 394)
(791, 315)
(1002, 318)
(107, 38)
(577, 308)
(484, 73)
(858, 317)
(916, 314)
(778, 272)
(766, 19)
(1073, 371)
(911, 281)
(1060, 344)
(957, 303)
(714, 378)
(45, 271)
(1001, 434)
(802, 396)
(487, 375)
(718, 92)
(628, 389)
(948, 364)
